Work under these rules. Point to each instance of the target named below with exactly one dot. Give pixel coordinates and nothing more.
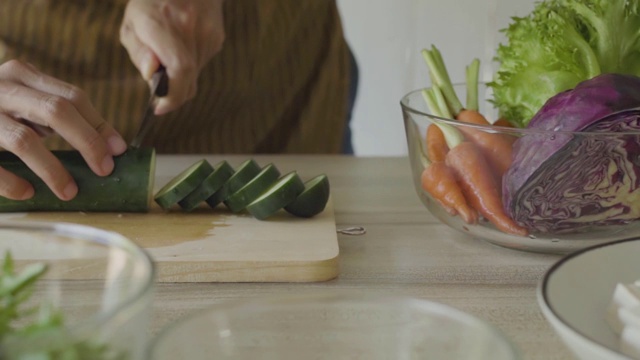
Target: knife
(159, 88)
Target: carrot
(479, 187)
(471, 151)
(439, 181)
(451, 211)
(438, 140)
(496, 148)
(472, 117)
(503, 122)
(436, 144)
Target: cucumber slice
(283, 192)
(212, 183)
(180, 186)
(313, 199)
(244, 173)
(254, 188)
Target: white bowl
(575, 292)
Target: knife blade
(159, 88)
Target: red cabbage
(563, 182)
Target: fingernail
(70, 191)
(116, 145)
(28, 194)
(107, 165)
(160, 108)
(148, 66)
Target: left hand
(182, 35)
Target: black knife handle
(163, 81)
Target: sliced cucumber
(244, 173)
(279, 195)
(313, 199)
(212, 183)
(180, 186)
(254, 188)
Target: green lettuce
(28, 333)
(559, 44)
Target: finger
(144, 59)
(30, 77)
(25, 143)
(141, 55)
(14, 187)
(183, 20)
(175, 54)
(42, 131)
(62, 116)
(167, 104)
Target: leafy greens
(38, 333)
(560, 44)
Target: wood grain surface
(405, 251)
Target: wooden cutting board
(215, 245)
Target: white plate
(575, 292)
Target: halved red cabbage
(562, 182)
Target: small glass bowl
(100, 283)
(331, 326)
(417, 119)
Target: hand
(33, 104)
(182, 35)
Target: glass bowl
(547, 228)
(330, 326)
(89, 295)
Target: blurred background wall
(387, 36)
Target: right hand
(181, 35)
(33, 104)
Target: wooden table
(405, 251)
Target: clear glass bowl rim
(404, 103)
(337, 296)
(109, 238)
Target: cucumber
(313, 199)
(180, 186)
(212, 183)
(254, 188)
(244, 173)
(279, 195)
(127, 189)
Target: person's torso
(282, 63)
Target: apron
(280, 84)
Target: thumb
(148, 64)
